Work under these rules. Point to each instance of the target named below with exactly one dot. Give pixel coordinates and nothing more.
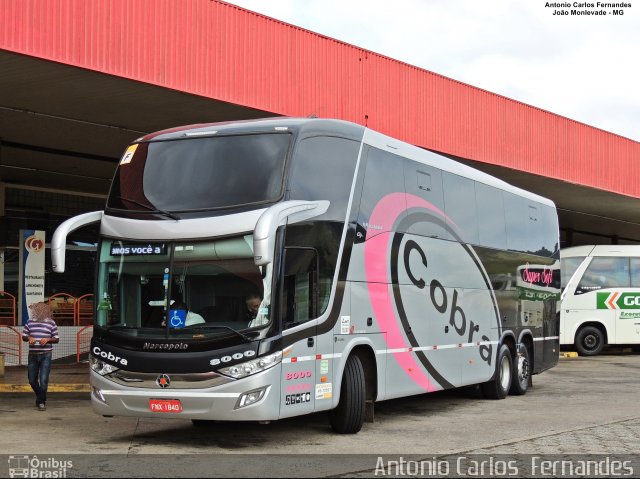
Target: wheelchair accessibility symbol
(178, 318)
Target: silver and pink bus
(258, 270)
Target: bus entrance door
(298, 378)
(299, 305)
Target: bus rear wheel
(521, 371)
(348, 416)
(589, 341)
(499, 386)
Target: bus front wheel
(348, 416)
(499, 386)
(589, 341)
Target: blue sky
(583, 67)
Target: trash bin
(1, 365)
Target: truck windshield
(203, 173)
(212, 287)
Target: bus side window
(323, 170)
(549, 240)
(492, 229)
(300, 286)
(384, 175)
(425, 182)
(460, 206)
(526, 225)
(635, 272)
(605, 272)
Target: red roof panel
(221, 51)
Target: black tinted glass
(299, 286)
(202, 173)
(518, 221)
(425, 182)
(322, 169)
(460, 206)
(491, 224)
(384, 176)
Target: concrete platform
(71, 378)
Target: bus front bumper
(222, 403)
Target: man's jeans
(39, 369)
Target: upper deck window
(201, 173)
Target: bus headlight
(251, 397)
(254, 366)
(97, 393)
(101, 367)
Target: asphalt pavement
(582, 408)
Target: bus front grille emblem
(163, 381)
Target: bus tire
(499, 386)
(589, 341)
(348, 416)
(521, 371)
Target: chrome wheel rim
(523, 369)
(505, 373)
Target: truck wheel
(521, 372)
(348, 416)
(498, 387)
(589, 341)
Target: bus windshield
(568, 267)
(212, 287)
(200, 173)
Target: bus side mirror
(59, 240)
(264, 234)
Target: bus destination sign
(122, 249)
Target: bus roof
(297, 125)
(601, 250)
(444, 163)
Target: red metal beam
(221, 51)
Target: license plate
(165, 405)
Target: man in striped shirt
(41, 332)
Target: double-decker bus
(258, 270)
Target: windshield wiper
(217, 326)
(151, 209)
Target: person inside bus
(252, 302)
(238, 308)
(191, 318)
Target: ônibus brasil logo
(618, 300)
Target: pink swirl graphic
(385, 214)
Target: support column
(2, 191)
(1, 269)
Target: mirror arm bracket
(59, 240)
